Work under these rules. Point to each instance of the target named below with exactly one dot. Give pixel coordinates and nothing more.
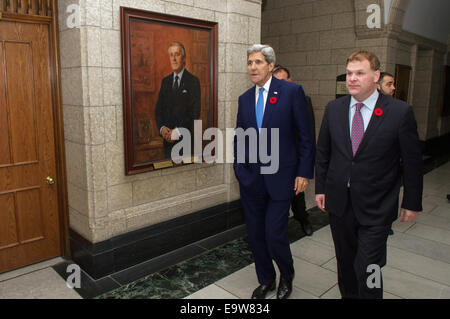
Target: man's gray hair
(178, 44)
(266, 50)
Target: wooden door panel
(4, 131)
(8, 225)
(29, 219)
(19, 176)
(20, 104)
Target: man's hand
(320, 201)
(407, 215)
(301, 184)
(166, 133)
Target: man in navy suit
(276, 111)
(358, 175)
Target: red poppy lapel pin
(378, 111)
(273, 99)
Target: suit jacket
(374, 172)
(296, 148)
(312, 118)
(180, 108)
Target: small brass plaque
(164, 164)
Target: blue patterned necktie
(357, 128)
(260, 108)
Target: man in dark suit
(361, 140)
(298, 205)
(275, 111)
(387, 87)
(179, 100)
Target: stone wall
(103, 202)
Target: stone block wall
(103, 201)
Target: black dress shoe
(391, 232)
(306, 226)
(262, 290)
(284, 288)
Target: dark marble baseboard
(91, 287)
(121, 252)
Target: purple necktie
(357, 128)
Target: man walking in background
(386, 84)
(298, 205)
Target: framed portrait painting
(169, 83)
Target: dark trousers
(358, 246)
(298, 207)
(267, 223)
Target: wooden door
(29, 218)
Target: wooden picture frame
(146, 38)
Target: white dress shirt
(366, 110)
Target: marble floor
(418, 264)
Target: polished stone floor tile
(437, 200)
(298, 293)
(332, 293)
(419, 265)
(40, 284)
(409, 286)
(435, 220)
(420, 246)
(324, 236)
(312, 278)
(242, 283)
(312, 251)
(428, 205)
(28, 269)
(401, 227)
(331, 265)
(432, 233)
(441, 211)
(151, 287)
(212, 292)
